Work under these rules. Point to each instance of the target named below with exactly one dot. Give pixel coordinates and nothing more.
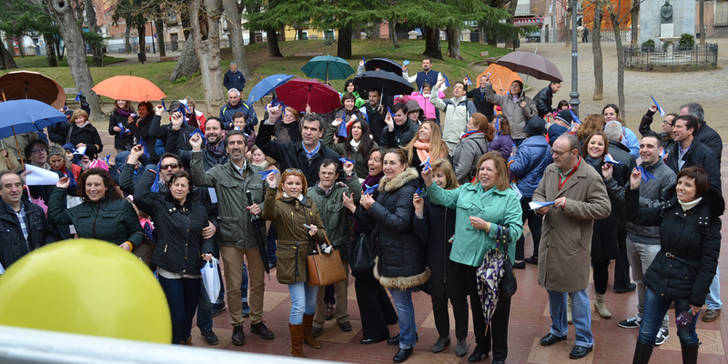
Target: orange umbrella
(500, 77)
(129, 88)
(32, 85)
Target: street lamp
(574, 64)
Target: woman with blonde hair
(426, 143)
(300, 231)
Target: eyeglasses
(553, 151)
(667, 122)
(168, 166)
(36, 151)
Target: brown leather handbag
(325, 269)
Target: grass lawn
(296, 54)
(41, 61)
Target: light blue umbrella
(26, 116)
(266, 85)
(327, 68)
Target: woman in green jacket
(300, 229)
(103, 215)
(483, 208)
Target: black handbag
(508, 284)
(361, 258)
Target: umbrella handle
(308, 95)
(22, 162)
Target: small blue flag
(426, 164)
(574, 117)
(344, 160)
(419, 192)
(164, 106)
(646, 175)
(264, 174)
(535, 205)
(390, 112)
(447, 82)
(406, 62)
(608, 159)
(662, 112)
(342, 128)
(107, 158)
(370, 189)
(468, 81)
(198, 131)
(78, 96)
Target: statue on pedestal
(666, 13)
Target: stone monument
(666, 25)
(663, 20)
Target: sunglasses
(168, 166)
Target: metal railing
(697, 56)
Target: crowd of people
(435, 200)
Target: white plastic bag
(211, 279)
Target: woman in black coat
(180, 249)
(84, 135)
(119, 125)
(139, 126)
(400, 263)
(684, 268)
(435, 224)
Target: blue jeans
(712, 300)
(303, 301)
(655, 309)
(406, 312)
(580, 312)
(182, 296)
(244, 284)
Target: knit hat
(565, 116)
(535, 126)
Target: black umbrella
(388, 83)
(384, 64)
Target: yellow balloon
(85, 286)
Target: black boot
(642, 353)
(689, 353)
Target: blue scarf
(310, 155)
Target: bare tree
(70, 30)
(701, 16)
(232, 16)
(635, 33)
(616, 18)
(392, 26)
(205, 21)
(596, 36)
(453, 42)
(90, 12)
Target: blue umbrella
(327, 68)
(266, 85)
(27, 116)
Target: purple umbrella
(531, 64)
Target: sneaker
(662, 336)
(630, 323)
(246, 309)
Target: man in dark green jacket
(327, 194)
(237, 236)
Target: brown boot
(308, 332)
(296, 340)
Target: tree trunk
(142, 35)
(232, 15)
(70, 30)
(50, 52)
(19, 41)
(635, 33)
(207, 45)
(620, 62)
(453, 42)
(512, 10)
(127, 35)
(392, 26)
(187, 63)
(159, 27)
(597, 51)
(6, 58)
(567, 37)
(253, 7)
(432, 43)
(273, 49)
(343, 44)
(59, 50)
(701, 16)
(96, 49)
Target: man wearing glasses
(578, 196)
(668, 122)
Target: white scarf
(354, 144)
(300, 196)
(689, 205)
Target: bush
(648, 46)
(686, 43)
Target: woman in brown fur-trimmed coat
(400, 264)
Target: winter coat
(294, 243)
(698, 154)
(563, 256)
(178, 229)
(400, 261)
(235, 228)
(292, 155)
(13, 245)
(502, 144)
(428, 109)
(123, 141)
(287, 133)
(336, 218)
(436, 228)
(544, 100)
(708, 136)
(400, 136)
(234, 80)
(604, 237)
(466, 155)
(140, 129)
(481, 104)
(620, 153)
(227, 111)
(114, 221)
(164, 132)
(87, 135)
(457, 112)
(529, 163)
(361, 167)
(375, 120)
(495, 206)
(210, 158)
(690, 245)
(513, 111)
